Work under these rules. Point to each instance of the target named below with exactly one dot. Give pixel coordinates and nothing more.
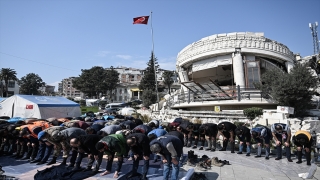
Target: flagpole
(154, 62)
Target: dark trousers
(110, 161)
(99, 161)
(135, 165)
(279, 148)
(44, 152)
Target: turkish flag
(141, 20)
(28, 106)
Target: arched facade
(221, 69)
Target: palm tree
(7, 74)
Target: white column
(138, 94)
(238, 70)
(289, 66)
(183, 78)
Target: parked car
(111, 110)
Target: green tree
(7, 74)
(253, 112)
(294, 89)
(167, 79)
(149, 97)
(96, 80)
(30, 84)
(111, 80)
(148, 81)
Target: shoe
(76, 168)
(95, 170)
(308, 163)
(267, 157)
(232, 151)
(213, 150)
(226, 162)
(194, 147)
(41, 162)
(133, 175)
(53, 161)
(223, 149)
(257, 156)
(86, 169)
(208, 149)
(248, 154)
(144, 177)
(239, 152)
(277, 158)
(289, 160)
(299, 162)
(25, 158)
(201, 148)
(35, 161)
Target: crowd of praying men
(127, 137)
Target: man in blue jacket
(170, 148)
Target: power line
(37, 62)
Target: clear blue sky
(56, 39)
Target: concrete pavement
(241, 168)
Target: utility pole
(314, 32)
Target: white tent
(42, 107)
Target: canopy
(27, 106)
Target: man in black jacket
(139, 145)
(227, 130)
(210, 131)
(86, 144)
(244, 135)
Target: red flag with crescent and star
(141, 20)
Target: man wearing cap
(113, 145)
(86, 144)
(50, 135)
(227, 130)
(170, 148)
(303, 140)
(282, 134)
(260, 134)
(244, 135)
(139, 145)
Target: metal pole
(154, 62)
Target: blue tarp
(16, 119)
(49, 101)
(2, 98)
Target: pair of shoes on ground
(248, 154)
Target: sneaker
(201, 148)
(239, 152)
(257, 156)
